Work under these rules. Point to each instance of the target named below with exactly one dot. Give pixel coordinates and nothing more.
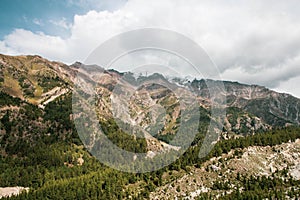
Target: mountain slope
(223, 175)
(38, 82)
(33, 78)
(276, 109)
(40, 148)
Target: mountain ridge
(46, 80)
(41, 149)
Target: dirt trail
(53, 94)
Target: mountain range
(36, 102)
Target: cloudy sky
(255, 42)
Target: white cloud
(268, 76)
(5, 49)
(290, 86)
(250, 41)
(25, 42)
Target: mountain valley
(256, 153)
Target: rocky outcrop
(11, 191)
(252, 161)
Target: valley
(256, 153)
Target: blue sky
(44, 15)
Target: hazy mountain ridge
(259, 101)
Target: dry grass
(11, 86)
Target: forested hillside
(41, 149)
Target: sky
(253, 42)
